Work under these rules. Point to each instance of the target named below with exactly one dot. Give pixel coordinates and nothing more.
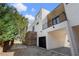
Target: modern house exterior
(58, 28)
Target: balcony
(44, 26)
(58, 19)
(56, 27)
(54, 21)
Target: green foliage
(8, 27)
(22, 25)
(11, 23)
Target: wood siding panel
(57, 11)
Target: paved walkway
(22, 50)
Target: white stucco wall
(72, 12)
(31, 26)
(39, 18)
(57, 39)
(44, 13)
(41, 15)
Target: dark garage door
(42, 42)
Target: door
(42, 42)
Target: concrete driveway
(22, 50)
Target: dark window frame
(55, 19)
(37, 23)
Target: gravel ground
(21, 50)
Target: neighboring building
(59, 28)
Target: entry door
(42, 42)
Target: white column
(72, 38)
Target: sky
(29, 10)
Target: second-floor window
(56, 20)
(59, 19)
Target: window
(37, 23)
(59, 18)
(56, 20)
(33, 28)
(67, 3)
(68, 41)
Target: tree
(8, 28)
(11, 23)
(22, 24)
